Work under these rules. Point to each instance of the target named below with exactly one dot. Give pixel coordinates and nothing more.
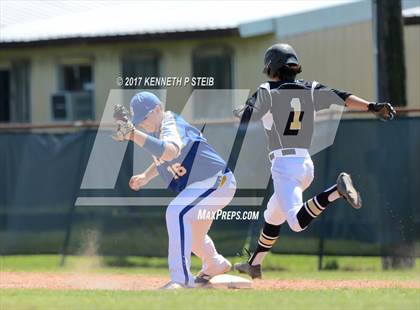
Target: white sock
(259, 257)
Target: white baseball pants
(291, 176)
(188, 234)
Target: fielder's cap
(141, 105)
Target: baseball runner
(287, 108)
(192, 168)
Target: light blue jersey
(196, 160)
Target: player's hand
(138, 181)
(248, 106)
(238, 112)
(124, 126)
(383, 110)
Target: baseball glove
(122, 120)
(383, 110)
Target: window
(141, 64)
(74, 101)
(76, 78)
(215, 62)
(14, 92)
(4, 96)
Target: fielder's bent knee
(274, 217)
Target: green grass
(276, 267)
(212, 299)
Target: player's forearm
(383, 110)
(159, 148)
(356, 103)
(252, 113)
(137, 137)
(151, 172)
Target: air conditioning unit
(72, 106)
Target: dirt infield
(45, 280)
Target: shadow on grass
(275, 268)
(126, 262)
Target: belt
(288, 153)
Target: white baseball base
(229, 281)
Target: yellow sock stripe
(315, 210)
(309, 211)
(268, 237)
(266, 241)
(264, 245)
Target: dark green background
(41, 175)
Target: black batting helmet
(277, 56)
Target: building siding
(341, 57)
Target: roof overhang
(336, 16)
(145, 37)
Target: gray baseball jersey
(287, 110)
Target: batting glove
(383, 110)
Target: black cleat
(202, 280)
(253, 271)
(347, 190)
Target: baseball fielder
(189, 166)
(286, 107)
